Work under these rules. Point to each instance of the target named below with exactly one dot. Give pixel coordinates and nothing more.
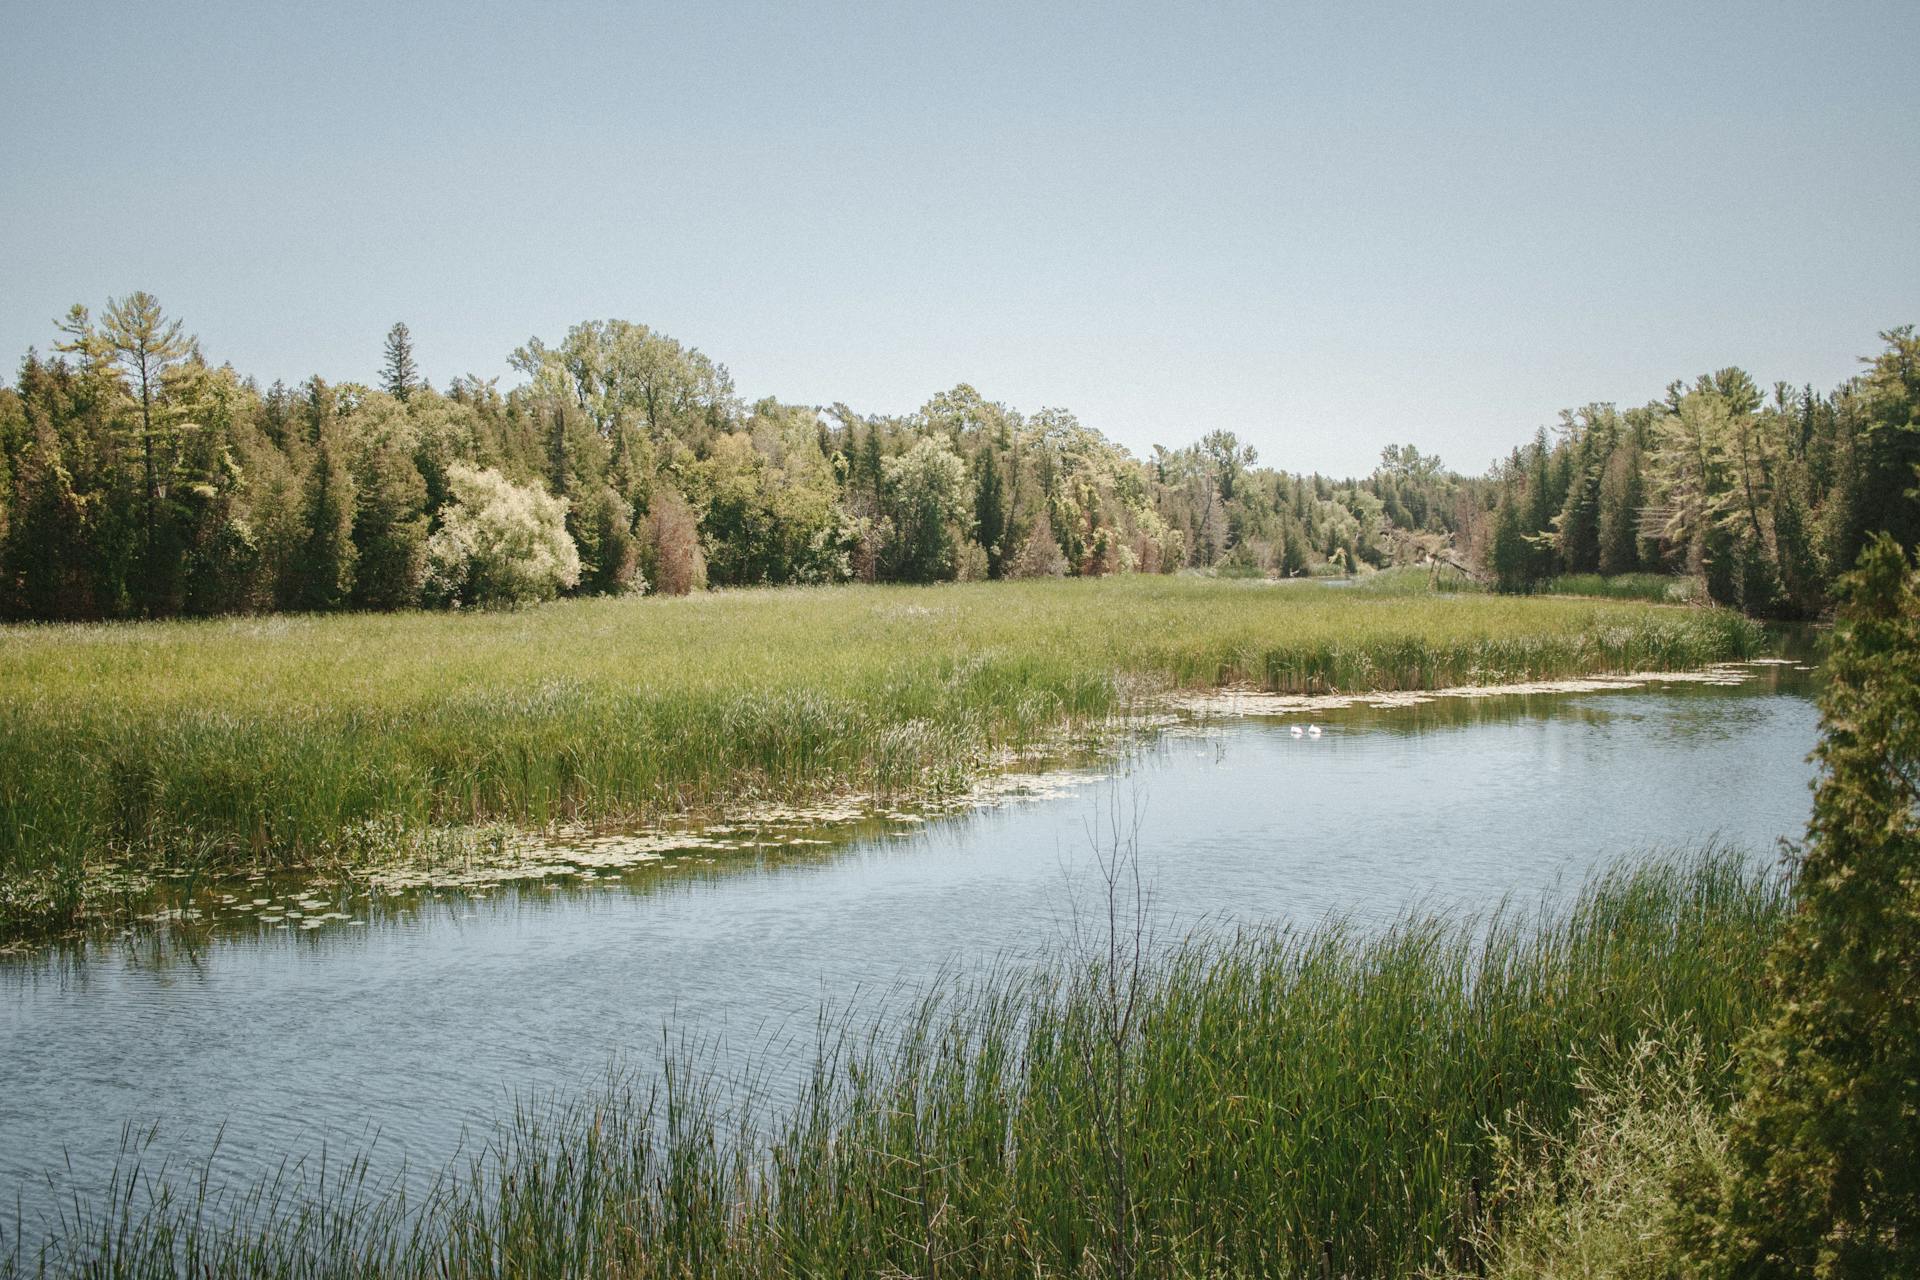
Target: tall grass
(1288, 1101)
(198, 747)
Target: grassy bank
(1256, 1104)
(196, 748)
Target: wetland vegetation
(195, 749)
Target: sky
(1324, 227)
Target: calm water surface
(414, 1026)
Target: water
(417, 1026)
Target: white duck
(1313, 731)
(1298, 732)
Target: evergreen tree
(389, 528)
(1513, 557)
(1825, 1182)
(1622, 494)
(1793, 540)
(871, 467)
(399, 375)
(147, 345)
(1889, 447)
(324, 571)
(601, 523)
(1577, 527)
(45, 554)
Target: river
(410, 1029)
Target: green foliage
(399, 375)
(137, 480)
(990, 525)
(1514, 561)
(1622, 494)
(323, 575)
(1825, 1182)
(499, 544)
(389, 511)
(926, 491)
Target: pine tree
(1622, 494)
(1577, 528)
(1513, 556)
(871, 465)
(147, 345)
(399, 375)
(1793, 541)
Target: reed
(196, 748)
(1290, 1103)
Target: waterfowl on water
(1313, 731)
(1298, 731)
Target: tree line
(1768, 498)
(139, 479)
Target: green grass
(1275, 1099)
(1659, 587)
(195, 748)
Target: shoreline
(475, 861)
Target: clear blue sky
(1325, 227)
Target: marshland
(1041, 642)
(456, 1044)
(184, 753)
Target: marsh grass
(188, 750)
(1291, 1101)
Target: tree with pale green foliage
(499, 544)
(147, 345)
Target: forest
(138, 479)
